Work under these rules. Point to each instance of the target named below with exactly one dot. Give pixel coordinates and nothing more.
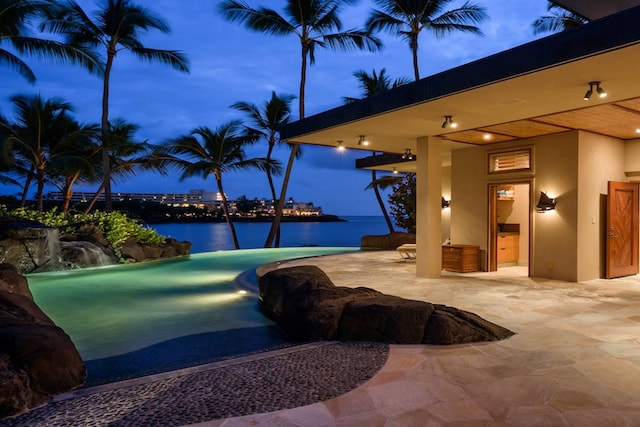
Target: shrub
(115, 226)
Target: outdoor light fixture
(599, 90)
(340, 145)
(545, 203)
(363, 141)
(445, 203)
(395, 170)
(449, 123)
(407, 154)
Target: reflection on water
(116, 310)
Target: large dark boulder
(134, 251)
(306, 305)
(386, 241)
(37, 358)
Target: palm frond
(173, 58)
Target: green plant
(115, 226)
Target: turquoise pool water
(122, 309)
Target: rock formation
(386, 241)
(133, 251)
(37, 358)
(306, 305)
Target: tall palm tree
(408, 18)
(44, 135)
(116, 26)
(316, 24)
(207, 152)
(558, 19)
(127, 154)
(15, 19)
(266, 121)
(373, 84)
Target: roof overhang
(543, 77)
(596, 9)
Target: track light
(449, 123)
(407, 154)
(599, 90)
(363, 141)
(340, 145)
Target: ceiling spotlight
(363, 141)
(340, 145)
(395, 170)
(449, 123)
(407, 154)
(487, 137)
(599, 90)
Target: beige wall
(632, 159)
(573, 167)
(602, 159)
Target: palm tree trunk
(39, 194)
(275, 225)
(376, 190)
(25, 189)
(414, 50)
(106, 161)
(272, 187)
(94, 199)
(225, 210)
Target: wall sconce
(340, 145)
(599, 90)
(545, 203)
(407, 154)
(363, 141)
(445, 203)
(449, 123)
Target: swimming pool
(158, 312)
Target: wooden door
(622, 230)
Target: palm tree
(266, 121)
(15, 17)
(207, 152)
(116, 26)
(316, 24)
(558, 19)
(127, 154)
(408, 18)
(373, 84)
(44, 135)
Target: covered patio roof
(531, 90)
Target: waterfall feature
(80, 254)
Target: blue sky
(230, 64)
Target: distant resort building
(202, 199)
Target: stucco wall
(574, 167)
(601, 159)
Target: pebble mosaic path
(271, 381)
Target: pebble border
(264, 384)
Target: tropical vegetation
(408, 18)
(116, 26)
(204, 152)
(316, 24)
(402, 201)
(557, 20)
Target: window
(507, 161)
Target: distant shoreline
(285, 218)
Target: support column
(429, 207)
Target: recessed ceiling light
(638, 130)
(487, 137)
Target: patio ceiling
(533, 90)
(594, 9)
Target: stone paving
(575, 360)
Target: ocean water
(207, 237)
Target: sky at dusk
(230, 63)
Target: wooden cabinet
(508, 248)
(461, 258)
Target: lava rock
(306, 305)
